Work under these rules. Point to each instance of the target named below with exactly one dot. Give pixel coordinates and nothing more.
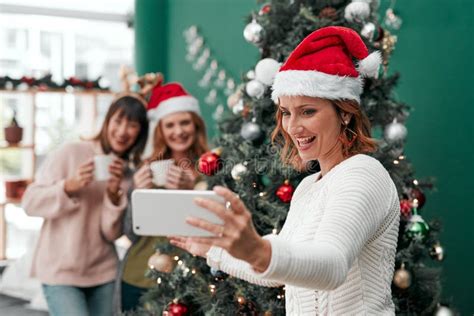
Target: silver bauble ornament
(395, 131)
(238, 170)
(251, 131)
(357, 11)
(238, 108)
(265, 70)
(253, 32)
(255, 89)
(368, 31)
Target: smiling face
(122, 132)
(179, 131)
(313, 125)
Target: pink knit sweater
(76, 241)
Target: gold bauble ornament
(402, 278)
(241, 300)
(161, 262)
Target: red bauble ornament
(405, 208)
(89, 85)
(265, 9)
(28, 80)
(416, 193)
(210, 163)
(75, 81)
(285, 192)
(177, 309)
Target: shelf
(5, 145)
(59, 91)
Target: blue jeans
(131, 296)
(79, 301)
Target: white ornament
(392, 20)
(357, 11)
(220, 81)
(229, 87)
(217, 115)
(444, 311)
(266, 70)
(255, 89)
(395, 131)
(233, 99)
(238, 108)
(253, 32)
(368, 31)
(211, 97)
(238, 170)
(250, 74)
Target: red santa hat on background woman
(322, 66)
(170, 98)
(164, 100)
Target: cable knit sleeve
(220, 259)
(357, 202)
(46, 197)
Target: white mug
(101, 167)
(159, 170)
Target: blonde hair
(162, 151)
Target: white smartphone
(164, 212)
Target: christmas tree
(246, 161)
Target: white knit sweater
(336, 251)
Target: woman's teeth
(306, 140)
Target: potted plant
(13, 132)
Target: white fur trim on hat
(183, 103)
(316, 84)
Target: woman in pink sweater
(75, 259)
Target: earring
(348, 136)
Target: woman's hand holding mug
(82, 178)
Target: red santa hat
(170, 98)
(322, 66)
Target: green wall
(221, 24)
(433, 55)
(151, 36)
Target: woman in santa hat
(178, 133)
(336, 251)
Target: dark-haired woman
(75, 259)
